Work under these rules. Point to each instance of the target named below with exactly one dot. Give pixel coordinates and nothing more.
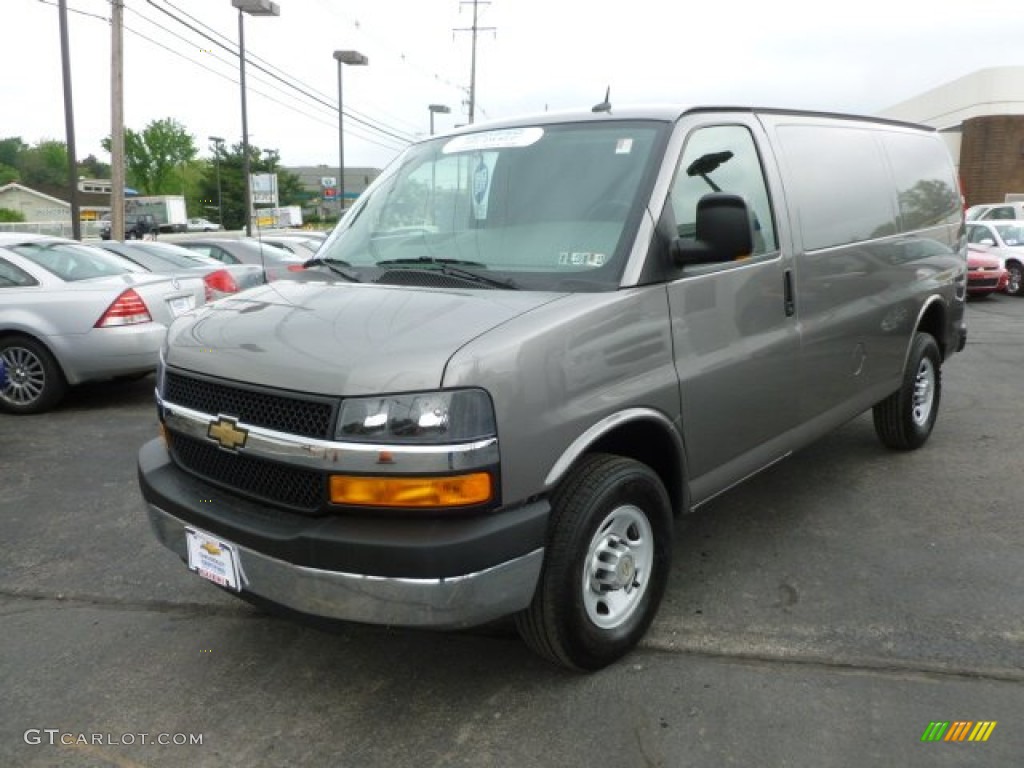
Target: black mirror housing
(724, 232)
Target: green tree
(8, 174)
(10, 215)
(92, 168)
(154, 157)
(10, 149)
(289, 185)
(44, 164)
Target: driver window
(723, 159)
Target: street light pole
(355, 59)
(253, 8)
(437, 109)
(218, 141)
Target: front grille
(985, 282)
(300, 489)
(304, 416)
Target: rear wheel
(606, 564)
(35, 381)
(905, 419)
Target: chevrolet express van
(535, 343)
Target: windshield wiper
(337, 266)
(451, 267)
(432, 260)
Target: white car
(996, 212)
(71, 313)
(202, 225)
(1004, 239)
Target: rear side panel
(877, 231)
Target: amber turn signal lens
(437, 492)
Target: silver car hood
(340, 338)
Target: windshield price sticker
(509, 137)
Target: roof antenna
(606, 105)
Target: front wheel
(905, 419)
(1015, 279)
(606, 564)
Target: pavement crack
(117, 603)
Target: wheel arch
(642, 434)
(933, 320)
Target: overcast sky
(542, 55)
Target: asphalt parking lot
(824, 614)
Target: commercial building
(981, 116)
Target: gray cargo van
(536, 342)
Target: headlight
(454, 416)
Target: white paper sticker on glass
(508, 137)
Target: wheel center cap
(625, 571)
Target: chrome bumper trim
(450, 603)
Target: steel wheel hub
(617, 568)
(924, 392)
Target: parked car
(995, 212)
(167, 258)
(278, 264)
(202, 225)
(71, 313)
(303, 247)
(137, 226)
(1004, 239)
(986, 274)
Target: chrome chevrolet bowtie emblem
(227, 434)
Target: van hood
(340, 339)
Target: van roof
(666, 113)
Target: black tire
(35, 381)
(1015, 284)
(614, 512)
(904, 420)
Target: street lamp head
(352, 58)
(257, 7)
(216, 139)
(441, 109)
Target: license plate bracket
(213, 559)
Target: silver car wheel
(617, 567)
(924, 392)
(26, 376)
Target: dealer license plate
(213, 559)
(181, 305)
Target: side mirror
(723, 233)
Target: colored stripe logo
(959, 730)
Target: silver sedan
(71, 313)
(277, 263)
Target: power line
(403, 138)
(254, 57)
(420, 71)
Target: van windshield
(551, 207)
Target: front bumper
(443, 573)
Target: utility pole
(69, 123)
(472, 67)
(117, 179)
